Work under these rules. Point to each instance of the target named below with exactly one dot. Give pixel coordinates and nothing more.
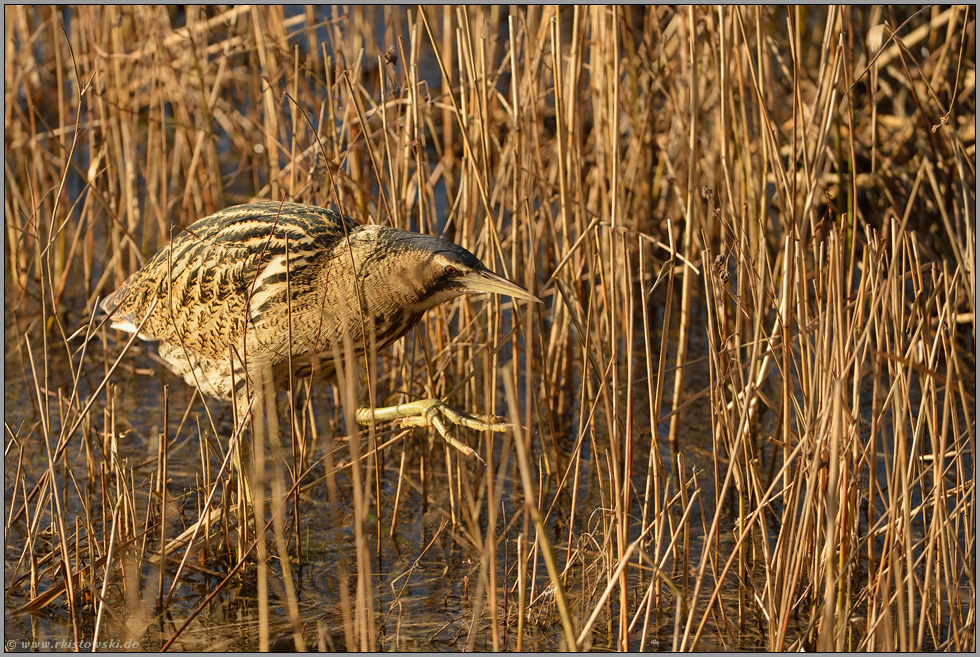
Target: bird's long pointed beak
(488, 281)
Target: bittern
(256, 293)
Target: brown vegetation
(745, 413)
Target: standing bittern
(267, 290)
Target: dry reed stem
(759, 436)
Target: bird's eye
(451, 271)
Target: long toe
(434, 413)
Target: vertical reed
(744, 413)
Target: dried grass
(746, 410)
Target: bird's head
(427, 271)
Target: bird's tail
(108, 304)
(108, 310)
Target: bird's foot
(434, 413)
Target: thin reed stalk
(744, 414)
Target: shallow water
(425, 576)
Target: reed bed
(744, 415)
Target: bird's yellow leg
(430, 412)
(242, 465)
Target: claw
(427, 412)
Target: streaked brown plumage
(256, 287)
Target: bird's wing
(226, 270)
